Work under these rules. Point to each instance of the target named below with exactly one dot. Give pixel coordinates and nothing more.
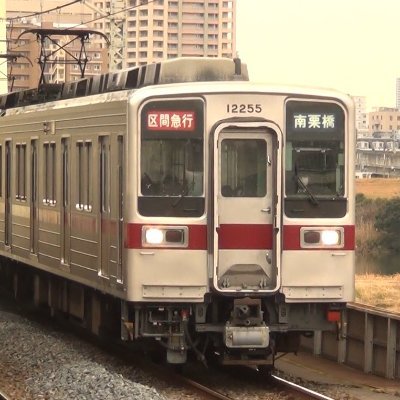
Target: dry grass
(379, 291)
(378, 187)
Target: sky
(348, 45)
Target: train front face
(213, 222)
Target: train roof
(180, 70)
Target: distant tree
(387, 222)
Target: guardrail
(370, 341)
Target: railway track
(3, 396)
(203, 389)
(299, 391)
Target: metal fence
(370, 341)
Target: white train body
(221, 211)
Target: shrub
(387, 222)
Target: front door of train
(245, 204)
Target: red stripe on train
(291, 237)
(197, 237)
(240, 236)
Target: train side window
(104, 174)
(49, 174)
(20, 173)
(84, 176)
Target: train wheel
(266, 370)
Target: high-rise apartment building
(164, 29)
(153, 31)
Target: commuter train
(178, 203)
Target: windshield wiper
(307, 190)
(182, 195)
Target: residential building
(384, 119)
(360, 103)
(164, 29)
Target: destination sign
(314, 118)
(314, 121)
(171, 120)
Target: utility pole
(116, 18)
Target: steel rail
(301, 389)
(211, 392)
(3, 396)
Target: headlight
(154, 236)
(330, 238)
(165, 236)
(322, 237)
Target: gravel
(37, 362)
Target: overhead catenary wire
(41, 12)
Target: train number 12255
(243, 108)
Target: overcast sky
(348, 45)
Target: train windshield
(172, 159)
(316, 170)
(172, 167)
(314, 159)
